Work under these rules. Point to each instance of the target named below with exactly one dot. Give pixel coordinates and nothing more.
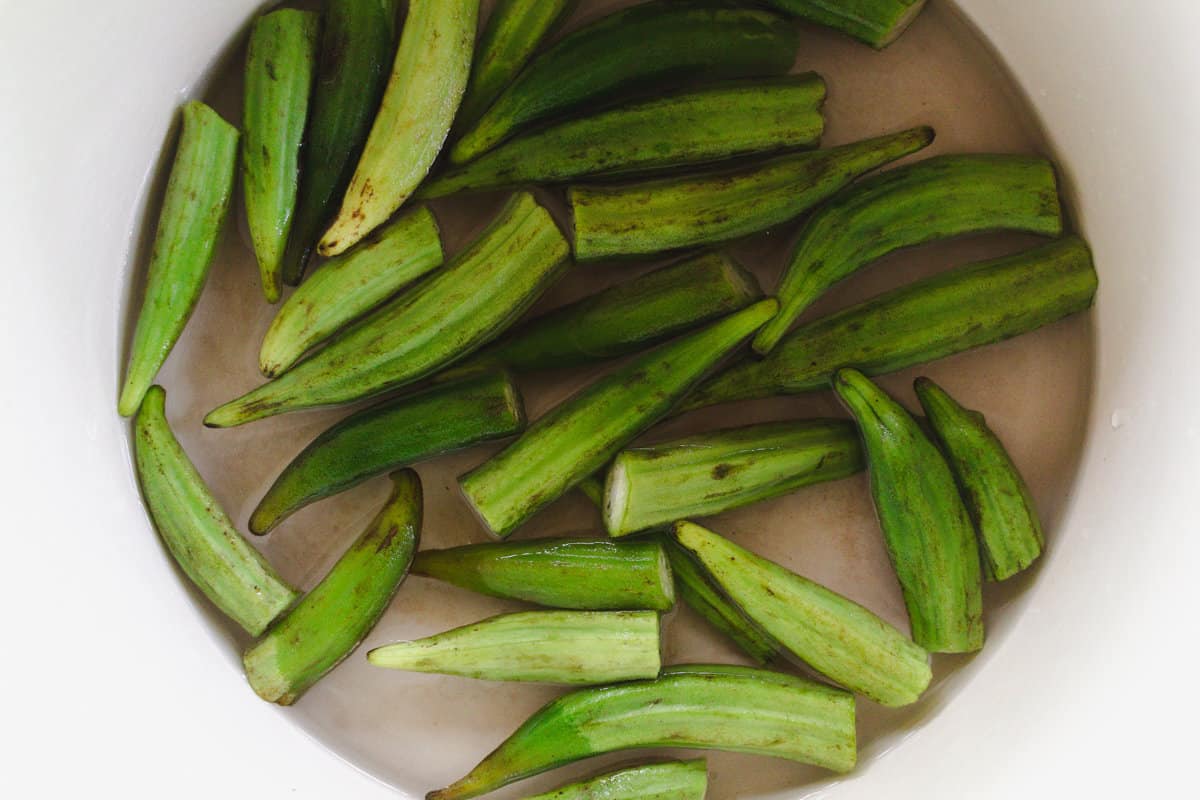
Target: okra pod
(280, 65)
(189, 228)
(712, 707)
(670, 780)
(934, 199)
(357, 43)
(709, 473)
(832, 634)
(876, 22)
(426, 85)
(611, 57)
(442, 319)
(925, 524)
(594, 575)
(579, 436)
(333, 619)
(671, 213)
(693, 126)
(996, 496)
(627, 317)
(564, 647)
(350, 285)
(197, 532)
(924, 321)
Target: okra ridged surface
(875, 22)
(670, 780)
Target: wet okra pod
(709, 473)
(598, 575)
(189, 228)
(938, 198)
(832, 634)
(564, 647)
(350, 285)
(926, 527)
(689, 127)
(334, 618)
(396, 433)
(665, 214)
(424, 89)
(280, 65)
(442, 319)
(608, 58)
(357, 44)
(927, 320)
(199, 534)
(876, 22)
(580, 435)
(712, 707)
(999, 502)
(670, 780)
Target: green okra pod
(565, 647)
(876, 22)
(671, 213)
(280, 65)
(199, 534)
(832, 634)
(579, 436)
(670, 780)
(656, 44)
(357, 41)
(712, 707)
(709, 473)
(350, 285)
(594, 575)
(189, 228)
(934, 199)
(939, 316)
(996, 496)
(393, 434)
(424, 89)
(688, 127)
(926, 527)
(442, 319)
(334, 618)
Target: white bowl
(116, 688)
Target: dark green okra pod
(876, 22)
(670, 780)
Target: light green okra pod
(876, 22)
(926, 528)
(997, 498)
(564, 647)
(671, 213)
(199, 534)
(713, 707)
(670, 780)
(189, 228)
(334, 618)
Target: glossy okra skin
(580, 435)
(938, 198)
(997, 498)
(585, 574)
(713, 707)
(709, 473)
(876, 22)
(350, 285)
(429, 75)
(834, 635)
(689, 127)
(926, 527)
(652, 45)
(670, 780)
(396, 433)
(564, 647)
(189, 229)
(442, 319)
(627, 317)
(280, 67)
(334, 618)
(671, 213)
(197, 532)
(958, 310)
(356, 47)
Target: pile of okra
(672, 128)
